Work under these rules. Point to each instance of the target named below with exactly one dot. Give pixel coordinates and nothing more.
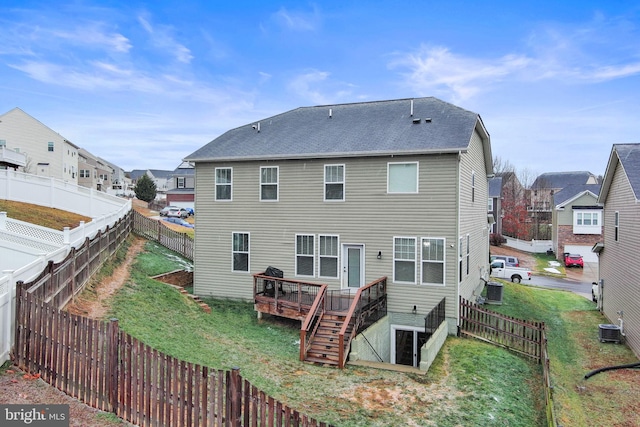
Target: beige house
(618, 252)
(577, 221)
(94, 172)
(47, 152)
(343, 195)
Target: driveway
(577, 280)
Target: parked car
(166, 209)
(177, 212)
(179, 221)
(502, 271)
(191, 211)
(510, 261)
(573, 260)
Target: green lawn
(470, 384)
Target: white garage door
(585, 251)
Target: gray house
(343, 195)
(618, 252)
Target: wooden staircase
(324, 348)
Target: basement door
(406, 344)
(352, 266)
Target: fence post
(112, 364)
(17, 336)
(234, 397)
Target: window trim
(415, 259)
(417, 188)
(181, 182)
(337, 256)
(50, 146)
(473, 186)
(490, 205)
(234, 251)
(312, 256)
(468, 252)
(616, 226)
(594, 214)
(277, 183)
(443, 262)
(230, 184)
(343, 182)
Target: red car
(573, 260)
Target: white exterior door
(352, 266)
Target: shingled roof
(627, 155)
(549, 180)
(573, 191)
(350, 130)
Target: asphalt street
(578, 280)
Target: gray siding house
(345, 194)
(618, 260)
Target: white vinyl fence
(26, 249)
(533, 246)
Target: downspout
(457, 244)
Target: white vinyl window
(460, 247)
(432, 254)
(180, 182)
(402, 177)
(616, 226)
(468, 253)
(85, 173)
(404, 259)
(305, 255)
(328, 256)
(49, 146)
(269, 183)
(240, 252)
(334, 182)
(223, 183)
(490, 205)
(473, 187)
(587, 222)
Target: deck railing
(435, 317)
(368, 306)
(284, 297)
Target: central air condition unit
(610, 333)
(494, 293)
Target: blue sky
(144, 84)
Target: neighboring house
(618, 252)
(181, 188)
(540, 200)
(93, 172)
(161, 178)
(11, 159)
(494, 205)
(577, 221)
(47, 152)
(120, 184)
(344, 195)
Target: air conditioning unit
(609, 333)
(494, 293)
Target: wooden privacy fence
(108, 369)
(522, 336)
(155, 230)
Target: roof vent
(330, 113)
(416, 121)
(427, 120)
(412, 108)
(256, 126)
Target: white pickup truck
(515, 274)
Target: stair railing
(311, 322)
(368, 305)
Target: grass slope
(471, 383)
(53, 218)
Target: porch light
(379, 255)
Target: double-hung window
(432, 261)
(402, 177)
(404, 259)
(586, 221)
(334, 182)
(473, 187)
(468, 253)
(616, 226)
(269, 183)
(223, 183)
(180, 182)
(240, 252)
(49, 146)
(305, 255)
(328, 256)
(490, 205)
(85, 173)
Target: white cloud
(316, 87)
(162, 39)
(297, 21)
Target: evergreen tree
(145, 189)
